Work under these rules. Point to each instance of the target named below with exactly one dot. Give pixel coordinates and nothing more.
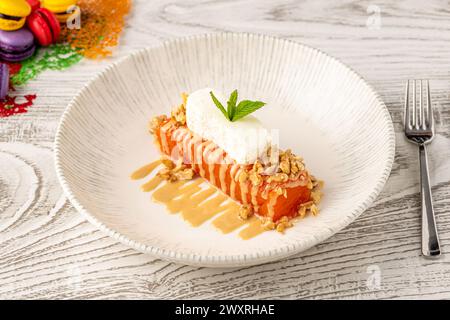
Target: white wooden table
(47, 250)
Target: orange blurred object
(101, 23)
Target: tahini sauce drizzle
(196, 204)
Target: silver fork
(419, 129)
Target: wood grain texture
(47, 250)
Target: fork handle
(430, 240)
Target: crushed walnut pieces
(283, 224)
(278, 177)
(175, 171)
(184, 97)
(316, 187)
(155, 123)
(279, 225)
(168, 163)
(268, 224)
(243, 176)
(178, 115)
(286, 167)
(255, 173)
(245, 212)
(280, 168)
(290, 164)
(281, 191)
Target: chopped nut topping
(184, 97)
(270, 161)
(166, 174)
(269, 225)
(279, 191)
(294, 167)
(307, 204)
(301, 211)
(280, 227)
(285, 166)
(179, 114)
(243, 176)
(314, 210)
(304, 208)
(175, 172)
(278, 177)
(257, 167)
(185, 174)
(255, 178)
(278, 162)
(168, 163)
(156, 123)
(254, 175)
(245, 212)
(283, 225)
(300, 165)
(316, 196)
(316, 193)
(317, 183)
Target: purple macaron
(4, 80)
(16, 45)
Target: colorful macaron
(44, 25)
(34, 4)
(60, 8)
(16, 45)
(4, 80)
(13, 14)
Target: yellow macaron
(61, 8)
(13, 14)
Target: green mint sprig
(235, 112)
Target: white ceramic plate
(324, 110)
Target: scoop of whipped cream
(244, 140)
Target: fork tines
(418, 109)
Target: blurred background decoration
(82, 29)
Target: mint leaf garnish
(218, 104)
(235, 112)
(231, 104)
(245, 107)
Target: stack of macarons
(24, 24)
